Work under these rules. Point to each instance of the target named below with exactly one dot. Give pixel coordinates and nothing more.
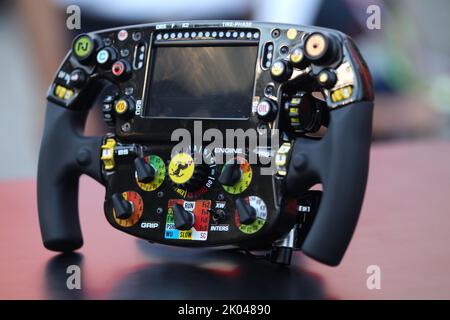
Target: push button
(124, 108)
(77, 78)
(63, 92)
(341, 94)
(106, 56)
(83, 48)
(297, 58)
(121, 69)
(327, 78)
(280, 71)
(266, 110)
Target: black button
(77, 78)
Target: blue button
(102, 56)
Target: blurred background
(408, 57)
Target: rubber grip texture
(65, 154)
(340, 161)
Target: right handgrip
(340, 162)
(64, 155)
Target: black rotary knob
(231, 174)
(247, 214)
(305, 113)
(144, 171)
(122, 208)
(183, 219)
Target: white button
(256, 35)
(200, 34)
(141, 56)
(158, 37)
(207, 34)
(166, 36)
(172, 35)
(263, 108)
(102, 56)
(235, 34)
(179, 35)
(214, 34)
(122, 35)
(249, 34)
(242, 34)
(221, 34)
(228, 34)
(193, 34)
(186, 34)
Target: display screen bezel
(189, 44)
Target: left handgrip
(65, 154)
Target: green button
(83, 47)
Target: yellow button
(295, 120)
(291, 34)
(181, 168)
(341, 93)
(60, 91)
(108, 154)
(121, 106)
(277, 69)
(293, 110)
(296, 55)
(323, 77)
(68, 95)
(295, 101)
(280, 160)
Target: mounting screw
(126, 127)
(275, 33)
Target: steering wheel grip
(64, 155)
(340, 161)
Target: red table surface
(404, 229)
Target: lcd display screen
(201, 82)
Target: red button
(118, 68)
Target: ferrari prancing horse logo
(181, 168)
